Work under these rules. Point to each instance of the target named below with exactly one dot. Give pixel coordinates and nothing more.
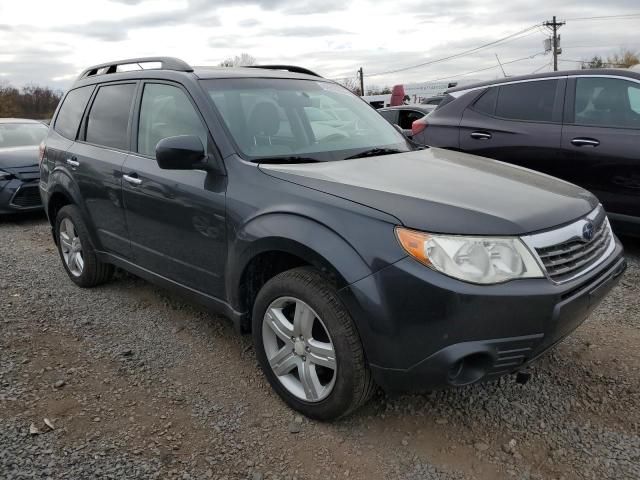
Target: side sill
(212, 303)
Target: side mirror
(184, 152)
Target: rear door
(601, 139)
(65, 130)
(519, 123)
(96, 159)
(176, 218)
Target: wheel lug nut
(307, 349)
(304, 358)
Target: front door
(176, 218)
(600, 140)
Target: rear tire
(76, 251)
(317, 365)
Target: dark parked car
(582, 126)
(19, 170)
(435, 100)
(405, 115)
(352, 257)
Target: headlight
(5, 175)
(483, 260)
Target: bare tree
(242, 60)
(351, 84)
(31, 102)
(623, 59)
(375, 90)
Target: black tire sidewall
(324, 301)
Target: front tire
(78, 256)
(308, 346)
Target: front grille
(567, 259)
(27, 196)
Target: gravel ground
(138, 383)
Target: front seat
(264, 124)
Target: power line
(486, 68)
(457, 55)
(547, 64)
(604, 17)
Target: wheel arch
(64, 191)
(286, 242)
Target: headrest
(264, 119)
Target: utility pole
(554, 26)
(361, 76)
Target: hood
(16, 157)
(443, 191)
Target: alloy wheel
(71, 247)
(299, 349)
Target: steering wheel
(333, 137)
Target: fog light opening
(469, 369)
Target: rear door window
(407, 117)
(607, 102)
(71, 111)
(108, 121)
(527, 101)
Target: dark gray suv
(284, 202)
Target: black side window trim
(82, 134)
(135, 123)
(558, 104)
(84, 112)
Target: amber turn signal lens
(414, 243)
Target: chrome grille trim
(564, 254)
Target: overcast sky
(50, 41)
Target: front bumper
(422, 330)
(17, 195)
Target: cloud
(119, 30)
(333, 37)
(248, 23)
(318, 31)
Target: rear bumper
(422, 330)
(18, 196)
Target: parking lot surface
(137, 383)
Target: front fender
(298, 235)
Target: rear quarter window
(73, 105)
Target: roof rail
(288, 68)
(166, 63)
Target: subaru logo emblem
(587, 232)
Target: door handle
(73, 162)
(585, 142)
(131, 179)
(481, 135)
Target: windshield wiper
(287, 160)
(374, 152)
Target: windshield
(21, 134)
(290, 119)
